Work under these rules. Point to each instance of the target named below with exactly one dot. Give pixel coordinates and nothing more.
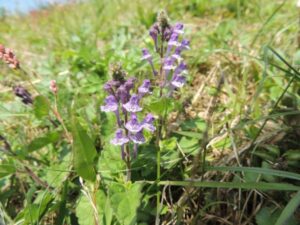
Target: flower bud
(163, 20)
(118, 73)
(53, 86)
(22, 93)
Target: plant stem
(128, 164)
(127, 157)
(158, 134)
(96, 186)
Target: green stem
(158, 136)
(127, 157)
(158, 159)
(128, 164)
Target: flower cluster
(169, 44)
(22, 93)
(7, 56)
(125, 104)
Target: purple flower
(178, 81)
(146, 55)
(148, 58)
(167, 33)
(120, 138)
(168, 64)
(177, 55)
(123, 94)
(174, 40)
(137, 138)
(22, 93)
(181, 68)
(133, 124)
(108, 87)
(153, 32)
(144, 88)
(111, 104)
(185, 44)
(129, 84)
(148, 123)
(178, 28)
(133, 104)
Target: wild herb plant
(167, 78)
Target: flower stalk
(172, 70)
(125, 104)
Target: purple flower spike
(133, 104)
(111, 104)
(148, 58)
(144, 88)
(178, 81)
(138, 138)
(123, 94)
(133, 125)
(178, 28)
(148, 123)
(119, 138)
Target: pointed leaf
(41, 106)
(84, 152)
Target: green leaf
(292, 155)
(126, 203)
(62, 210)
(41, 106)
(168, 144)
(194, 125)
(56, 172)
(6, 168)
(35, 211)
(159, 107)
(269, 216)
(265, 217)
(41, 142)
(189, 145)
(85, 211)
(110, 162)
(196, 135)
(84, 152)
(289, 210)
(265, 155)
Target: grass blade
(231, 185)
(289, 210)
(259, 170)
